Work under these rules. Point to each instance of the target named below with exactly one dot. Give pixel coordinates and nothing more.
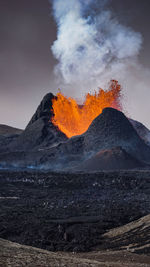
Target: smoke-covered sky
(94, 43)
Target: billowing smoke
(89, 45)
(92, 48)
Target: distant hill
(6, 130)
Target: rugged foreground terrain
(70, 212)
(12, 254)
(130, 239)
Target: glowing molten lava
(73, 119)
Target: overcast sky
(27, 31)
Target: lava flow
(73, 119)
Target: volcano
(74, 119)
(112, 141)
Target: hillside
(120, 248)
(135, 237)
(8, 130)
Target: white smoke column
(91, 49)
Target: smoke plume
(91, 42)
(92, 48)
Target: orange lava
(73, 119)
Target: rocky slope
(111, 129)
(13, 254)
(39, 133)
(109, 159)
(142, 131)
(135, 237)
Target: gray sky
(27, 31)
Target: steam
(90, 45)
(92, 48)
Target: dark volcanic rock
(44, 110)
(111, 129)
(110, 159)
(142, 131)
(135, 237)
(69, 211)
(42, 145)
(40, 132)
(8, 135)
(6, 130)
